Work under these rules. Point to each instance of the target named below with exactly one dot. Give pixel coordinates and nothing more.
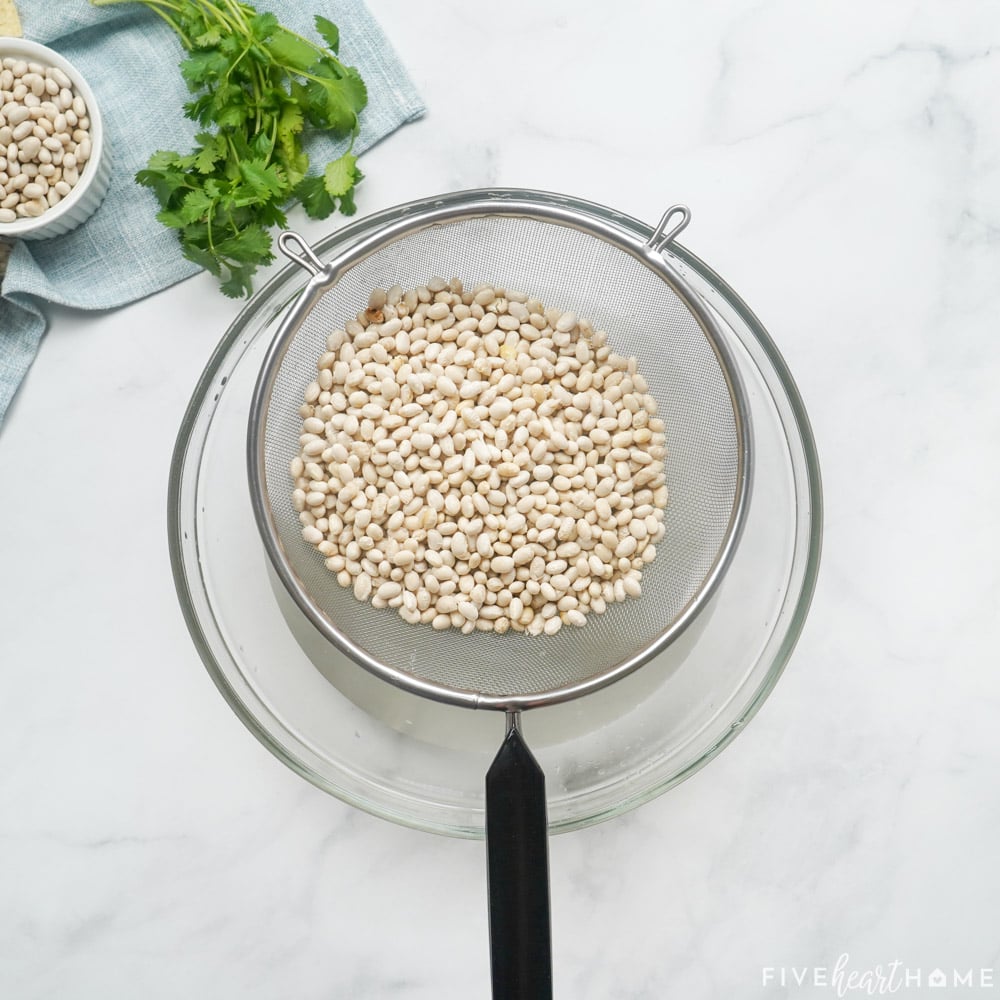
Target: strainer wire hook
(662, 236)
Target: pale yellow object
(10, 25)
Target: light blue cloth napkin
(130, 59)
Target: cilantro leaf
(197, 205)
(329, 32)
(250, 245)
(203, 67)
(239, 282)
(339, 175)
(163, 159)
(203, 258)
(266, 181)
(200, 109)
(213, 149)
(354, 89)
(334, 101)
(263, 26)
(290, 50)
(290, 125)
(164, 175)
(347, 206)
(209, 37)
(315, 198)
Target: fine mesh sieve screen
(568, 269)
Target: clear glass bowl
(606, 753)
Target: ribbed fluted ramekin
(88, 193)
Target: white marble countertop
(842, 165)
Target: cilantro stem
(155, 6)
(239, 59)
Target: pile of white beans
(477, 461)
(44, 138)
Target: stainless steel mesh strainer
(569, 260)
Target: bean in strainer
(635, 291)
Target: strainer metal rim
(457, 207)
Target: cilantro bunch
(259, 88)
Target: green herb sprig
(259, 89)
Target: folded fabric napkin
(129, 57)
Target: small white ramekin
(90, 189)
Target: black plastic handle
(518, 861)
